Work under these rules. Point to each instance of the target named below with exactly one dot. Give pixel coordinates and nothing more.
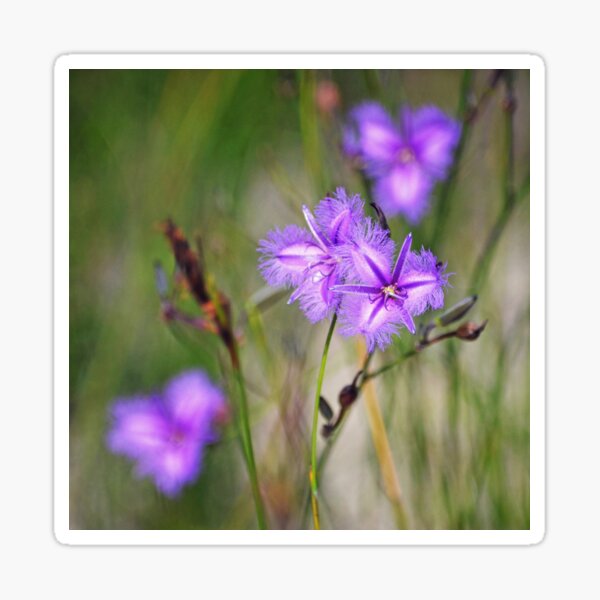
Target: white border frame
(298, 61)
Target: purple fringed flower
(166, 434)
(405, 158)
(310, 260)
(383, 299)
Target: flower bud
(325, 409)
(456, 312)
(348, 395)
(380, 217)
(470, 331)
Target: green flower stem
(313, 478)
(246, 437)
(387, 366)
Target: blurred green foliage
(229, 155)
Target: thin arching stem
(246, 437)
(313, 475)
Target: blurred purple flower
(166, 434)
(404, 157)
(384, 299)
(310, 260)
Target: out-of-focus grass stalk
(383, 451)
(256, 327)
(246, 436)
(481, 268)
(313, 474)
(479, 273)
(243, 434)
(443, 200)
(511, 196)
(373, 84)
(243, 420)
(309, 128)
(288, 195)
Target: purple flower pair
(404, 157)
(165, 434)
(343, 264)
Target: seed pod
(456, 312)
(325, 409)
(348, 395)
(470, 331)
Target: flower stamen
(389, 290)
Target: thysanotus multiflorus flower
(165, 433)
(382, 299)
(405, 157)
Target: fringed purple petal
(373, 136)
(317, 301)
(368, 257)
(404, 190)
(174, 467)
(287, 254)
(297, 292)
(140, 426)
(376, 320)
(424, 280)
(193, 402)
(433, 138)
(338, 215)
